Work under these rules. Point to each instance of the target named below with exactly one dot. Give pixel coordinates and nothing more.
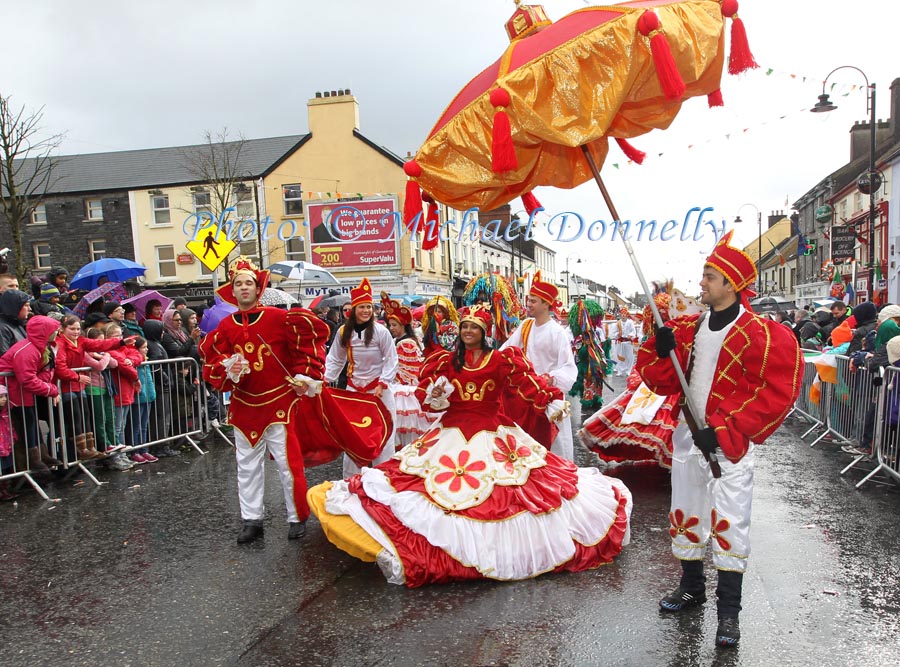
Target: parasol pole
(695, 416)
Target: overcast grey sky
(119, 75)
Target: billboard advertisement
(353, 235)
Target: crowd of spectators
(89, 389)
(869, 336)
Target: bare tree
(27, 170)
(217, 164)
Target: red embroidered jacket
(263, 397)
(756, 381)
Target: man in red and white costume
(238, 358)
(744, 372)
(272, 361)
(546, 345)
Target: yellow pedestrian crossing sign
(211, 246)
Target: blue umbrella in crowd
(215, 314)
(113, 269)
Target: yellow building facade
(335, 164)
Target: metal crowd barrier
(854, 410)
(89, 419)
(886, 439)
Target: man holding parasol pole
(744, 373)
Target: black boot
(690, 592)
(250, 531)
(728, 603)
(296, 530)
(728, 593)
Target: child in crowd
(140, 411)
(126, 383)
(101, 390)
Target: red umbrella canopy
(617, 71)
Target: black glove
(665, 341)
(705, 440)
(877, 381)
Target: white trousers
(251, 472)
(623, 367)
(707, 510)
(387, 398)
(562, 445)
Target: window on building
(93, 209)
(431, 262)
(243, 201)
(417, 247)
(250, 249)
(202, 202)
(160, 206)
(165, 261)
(295, 249)
(473, 263)
(293, 199)
(39, 215)
(97, 249)
(41, 255)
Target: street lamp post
(569, 275)
(738, 220)
(870, 182)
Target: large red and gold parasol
(543, 113)
(598, 73)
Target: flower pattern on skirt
(509, 452)
(460, 470)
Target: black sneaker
(728, 633)
(680, 599)
(296, 530)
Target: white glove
(558, 410)
(437, 393)
(236, 367)
(313, 387)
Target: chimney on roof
(860, 137)
(333, 111)
(895, 110)
(318, 94)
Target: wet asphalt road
(145, 571)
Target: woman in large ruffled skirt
(476, 497)
(636, 428)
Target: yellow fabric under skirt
(340, 529)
